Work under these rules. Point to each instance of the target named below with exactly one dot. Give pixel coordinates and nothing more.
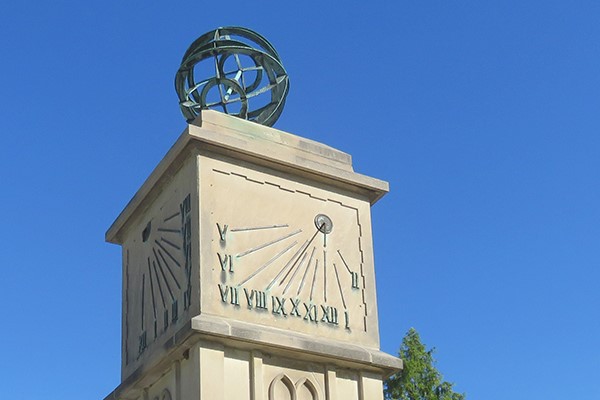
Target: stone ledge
(255, 337)
(296, 342)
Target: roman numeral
(330, 315)
(229, 294)
(311, 312)
(226, 262)
(347, 318)
(256, 299)
(278, 305)
(187, 298)
(355, 280)
(295, 304)
(174, 311)
(142, 343)
(222, 231)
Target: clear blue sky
(482, 115)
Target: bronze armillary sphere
(234, 70)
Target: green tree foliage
(419, 380)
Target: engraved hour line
(311, 256)
(167, 251)
(143, 295)
(297, 266)
(162, 272)
(289, 266)
(306, 271)
(152, 290)
(169, 230)
(265, 265)
(167, 265)
(312, 288)
(162, 296)
(170, 243)
(339, 284)
(295, 273)
(171, 217)
(344, 261)
(262, 246)
(256, 228)
(325, 275)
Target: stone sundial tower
(248, 271)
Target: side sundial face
(286, 254)
(158, 274)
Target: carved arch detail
(306, 390)
(282, 388)
(282, 385)
(165, 395)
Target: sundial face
(285, 253)
(158, 273)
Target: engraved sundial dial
(158, 266)
(300, 265)
(286, 251)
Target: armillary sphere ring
(255, 92)
(232, 86)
